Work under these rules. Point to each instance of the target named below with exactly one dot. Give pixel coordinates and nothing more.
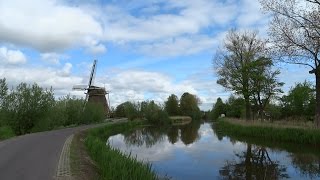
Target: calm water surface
(197, 151)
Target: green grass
(6, 132)
(270, 133)
(111, 162)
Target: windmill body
(94, 94)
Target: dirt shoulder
(82, 167)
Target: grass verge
(113, 164)
(270, 133)
(6, 132)
(82, 167)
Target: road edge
(64, 170)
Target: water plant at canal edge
(112, 163)
(279, 134)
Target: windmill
(94, 94)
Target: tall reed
(270, 133)
(111, 162)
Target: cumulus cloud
(53, 58)
(179, 17)
(46, 25)
(66, 70)
(45, 77)
(178, 46)
(56, 25)
(8, 56)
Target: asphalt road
(33, 156)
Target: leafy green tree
(235, 63)
(300, 101)
(218, 109)
(131, 110)
(189, 105)
(120, 111)
(3, 96)
(74, 109)
(172, 105)
(264, 83)
(155, 114)
(3, 91)
(27, 106)
(235, 107)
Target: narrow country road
(33, 156)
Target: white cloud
(168, 28)
(145, 81)
(45, 77)
(250, 13)
(178, 46)
(46, 25)
(8, 56)
(66, 70)
(97, 49)
(189, 18)
(52, 58)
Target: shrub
(6, 132)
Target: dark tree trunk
(317, 113)
(248, 107)
(261, 110)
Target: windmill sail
(94, 94)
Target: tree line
(299, 105)
(31, 108)
(158, 113)
(245, 62)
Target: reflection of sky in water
(201, 159)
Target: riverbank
(180, 120)
(111, 163)
(269, 132)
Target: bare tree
(295, 34)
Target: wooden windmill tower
(94, 94)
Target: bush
(93, 113)
(6, 132)
(131, 110)
(155, 114)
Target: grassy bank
(269, 132)
(112, 163)
(180, 120)
(6, 132)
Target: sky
(146, 50)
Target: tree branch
(305, 64)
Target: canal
(199, 151)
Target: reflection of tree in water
(148, 136)
(253, 164)
(216, 131)
(308, 165)
(189, 132)
(152, 135)
(173, 134)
